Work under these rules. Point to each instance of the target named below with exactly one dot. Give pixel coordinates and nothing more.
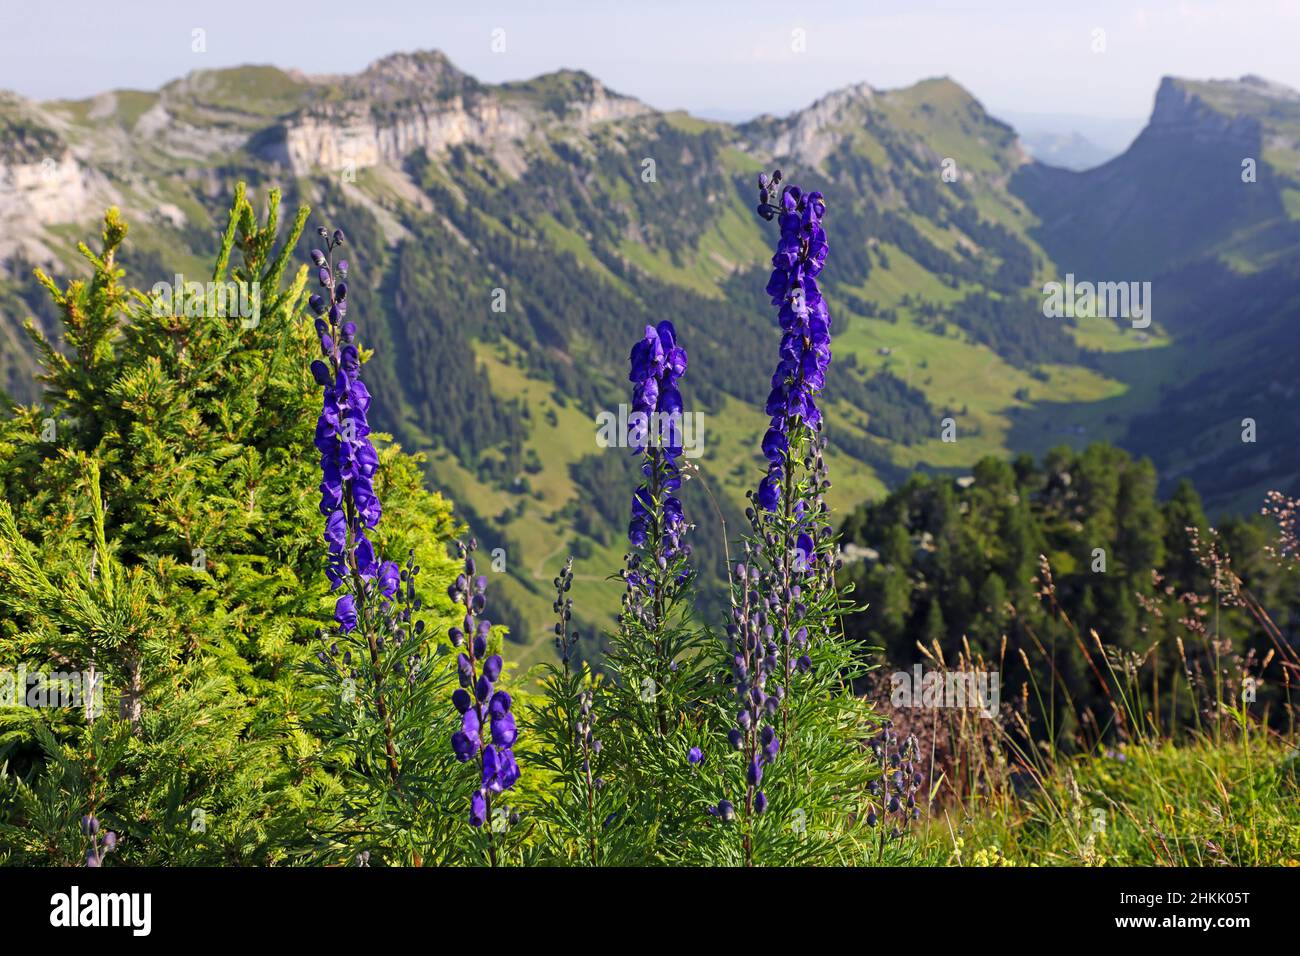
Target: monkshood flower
(658, 526)
(791, 517)
(805, 351)
(101, 844)
(348, 459)
(781, 590)
(896, 791)
(374, 609)
(755, 672)
(488, 731)
(566, 640)
(658, 362)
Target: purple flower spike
(486, 709)
(806, 323)
(657, 363)
(348, 460)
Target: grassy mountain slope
(594, 215)
(1205, 206)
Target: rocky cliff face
(1207, 173)
(811, 134)
(64, 162)
(408, 102)
(356, 139)
(42, 183)
(1182, 111)
(54, 190)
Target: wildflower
(657, 363)
(465, 742)
(478, 809)
(899, 785)
(695, 755)
(1286, 512)
(805, 351)
(754, 656)
(724, 811)
(657, 572)
(565, 640)
(345, 612)
(389, 580)
(348, 459)
(100, 844)
(504, 732)
(784, 584)
(488, 707)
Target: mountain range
(509, 242)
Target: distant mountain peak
(407, 75)
(25, 136)
(421, 61)
(1251, 85)
(845, 96)
(566, 89)
(1205, 110)
(1250, 99)
(1179, 193)
(810, 135)
(564, 75)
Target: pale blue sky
(717, 58)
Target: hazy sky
(717, 58)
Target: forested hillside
(1045, 553)
(514, 234)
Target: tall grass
(1131, 785)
